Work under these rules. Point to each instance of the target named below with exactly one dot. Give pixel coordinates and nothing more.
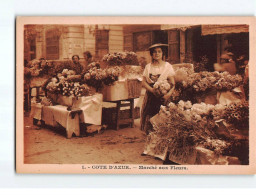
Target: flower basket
(66, 100)
(134, 88)
(122, 90)
(74, 102)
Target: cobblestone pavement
(50, 146)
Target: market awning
(176, 26)
(223, 29)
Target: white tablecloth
(52, 115)
(58, 114)
(36, 111)
(91, 107)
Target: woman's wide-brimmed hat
(158, 45)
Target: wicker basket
(122, 90)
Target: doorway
(205, 46)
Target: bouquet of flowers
(94, 77)
(66, 72)
(200, 81)
(66, 88)
(218, 112)
(69, 75)
(192, 84)
(237, 114)
(73, 89)
(34, 67)
(111, 74)
(121, 58)
(181, 74)
(94, 65)
(202, 64)
(200, 115)
(163, 87)
(217, 145)
(228, 82)
(131, 72)
(53, 85)
(38, 67)
(59, 66)
(65, 84)
(131, 58)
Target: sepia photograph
(159, 95)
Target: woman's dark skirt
(150, 107)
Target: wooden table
(124, 103)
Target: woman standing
(87, 59)
(155, 71)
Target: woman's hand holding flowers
(166, 97)
(156, 92)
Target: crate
(109, 114)
(122, 90)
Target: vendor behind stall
(87, 58)
(75, 65)
(227, 63)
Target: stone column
(182, 46)
(39, 42)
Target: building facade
(60, 42)
(186, 43)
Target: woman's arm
(168, 95)
(147, 86)
(218, 67)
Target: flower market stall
(73, 98)
(197, 126)
(121, 99)
(36, 73)
(69, 102)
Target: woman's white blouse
(165, 71)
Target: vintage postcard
(135, 95)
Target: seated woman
(155, 71)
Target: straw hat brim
(158, 45)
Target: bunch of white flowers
(162, 86)
(67, 72)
